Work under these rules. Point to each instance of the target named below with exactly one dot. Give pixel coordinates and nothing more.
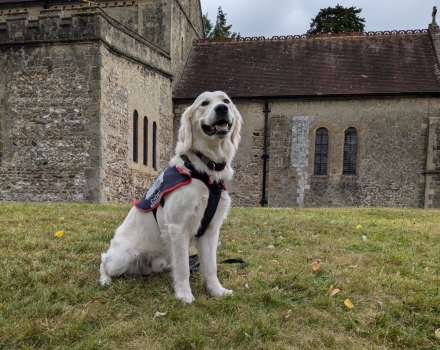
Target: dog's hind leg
(105, 277)
(117, 263)
(159, 264)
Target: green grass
(50, 297)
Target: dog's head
(212, 119)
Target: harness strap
(215, 191)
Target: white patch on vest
(154, 191)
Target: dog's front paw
(187, 298)
(219, 292)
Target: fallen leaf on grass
(61, 219)
(437, 333)
(316, 265)
(334, 291)
(348, 303)
(159, 314)
(59, 234)
(270, 246)
(358, 227)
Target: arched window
(154, 145)
(321, 150)
(145, 142)
(135, 136)
(350, 152)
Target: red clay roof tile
(313, 66)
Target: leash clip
(211, 174)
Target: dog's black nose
(221, 109)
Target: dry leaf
(275, 262)
(271, 246)
(61, 219)
(59, 234)
(358, 227)
(348, 303)
(159, 314)
(334, 291)
(316, 265)
(437, 333)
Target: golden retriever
(148, 242)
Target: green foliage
(337, 19)
(50, 297)
(221, 30)
(207, 25)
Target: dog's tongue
(222, 127)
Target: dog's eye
(205, 103)
(226, 100)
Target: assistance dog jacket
(173, 177)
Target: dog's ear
(236, 128)
(185, 130)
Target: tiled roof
(400, 62)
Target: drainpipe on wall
(265, 155)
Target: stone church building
(91, 95)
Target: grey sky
(286, 17)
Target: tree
(220, 30)
(337, 19)
(207, 25)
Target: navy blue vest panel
(169, 180)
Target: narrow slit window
(135, 136)
(145, 142)
(350, 152)
(321, 151)
(154, 145)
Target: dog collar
(213, 166)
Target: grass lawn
(306, 269)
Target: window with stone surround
(350, 152)
(145, 143)
(135, 136)
(154, 145)
(321, 151)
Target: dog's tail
(105, 277)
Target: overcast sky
(289, 17)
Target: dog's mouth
(221, 127)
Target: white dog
(192, 211)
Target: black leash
(194, 262)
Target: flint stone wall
(64, 92)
